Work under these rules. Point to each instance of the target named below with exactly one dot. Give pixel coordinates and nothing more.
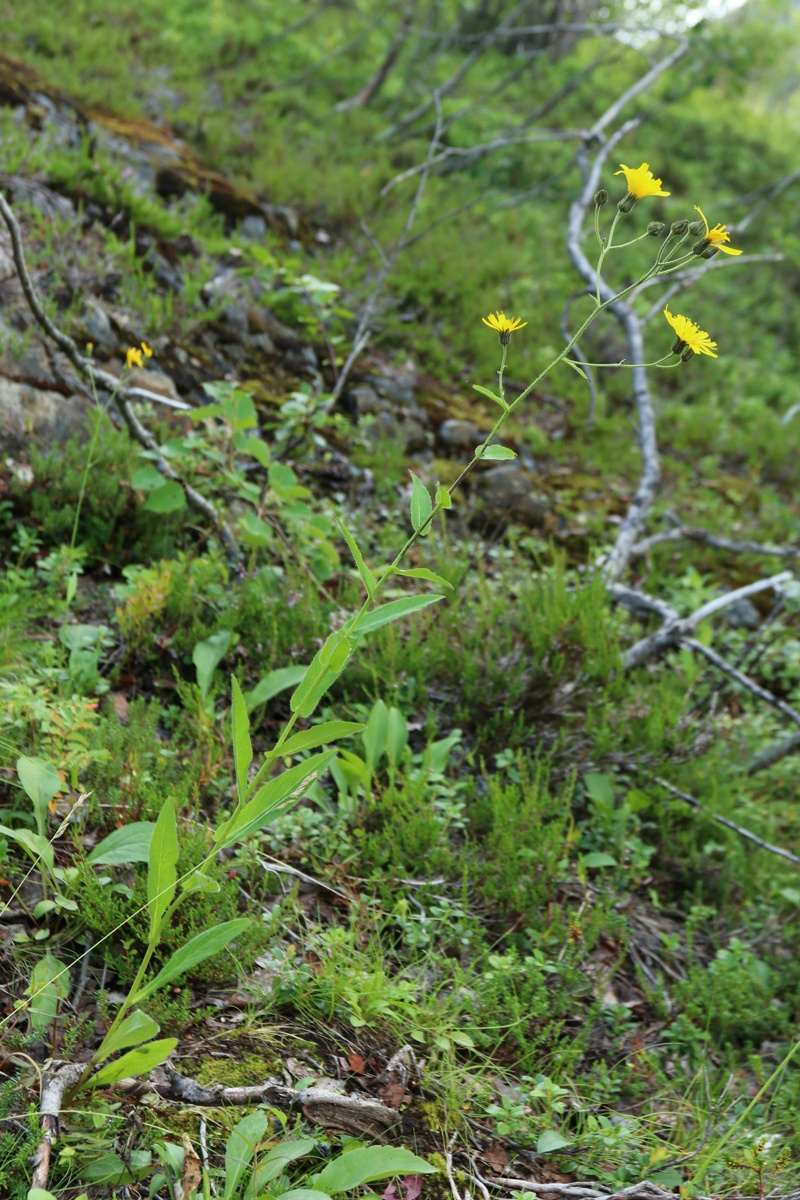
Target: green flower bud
(627, 202)
(696, 228)
(687, 353)
(701, 247)
(656, 228)
(710, 251)
(679, 227)
(601, 197)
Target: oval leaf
(129, 844)
(421, 503)
(550, 1140)
(135, 1029)
(368, 1164)
(494, 453)
(170, 497)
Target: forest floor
(511, 916)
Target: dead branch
(773, 754)
(121, 394)
(743, 680)
(374, 85)
(738, 829)
(674, 632)
(55, 1084)
(704, 538)
(363, 330)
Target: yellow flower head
(133, 357)
(688, 334)
(148, 353)
(504, 325)
(717, 236)
(640, 183)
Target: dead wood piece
(55, 1084)
(743, 680)
(773, 754)
(121, 394)
(743, 833)
(704, 538)
(356, 1115)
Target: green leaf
(319, 735)
(279, 792)
(170, 497)
(109, 1168)
(367, 1164)
(273, 683)
(40, 1194)
(494, 453)
(443, 497)
(241, 1147)
(367, 578)
(550, 1140)
(600, 790)
(396, 736)
(259, 450)
(326, 665)
(196, 950)
(462, 1039)
(420, 573)
(242, 746)
(136, 1062)
(393, 611)
(374, 738)
(598, 858)
(421, 503)
(305, 1193)
(37, 846)
(198, 882)
(147, 478)
(49, 986)
(492, 395)
(135, 1029)
(40, 780)
(275, 1161)
(207, 655)
(129, 844)
(254, 531)
(162, 874)
(575, 367)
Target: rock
(254, 228)
(459, 437)
(507, 496)
(32, 416)
(96, 328)
(366, 400)
(742, 614)
(153, 381)
(235, 320)
(168, 276)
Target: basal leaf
(136, 1062)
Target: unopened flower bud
(678, 227)
(696, 228)
(710, 251)
(688, 353)
(601, 197)
(656, 228)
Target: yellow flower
(133, 357)
(640, 183)
(717, 236)
(689, 335)
(148, 353)
(504, 325)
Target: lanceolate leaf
(273, 683)
(162, 873)
(367, 577)
(135, 1029)
(421, 503)
(495, 453)
(135, 1062)
(492, 395)
(242, 746)
(393, 611)
(326, 665)
(278, 793)
(319, 735)
(196, 950)
(38, 847)
(421, 573)
(240, 1149)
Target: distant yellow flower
(640, 183)
(689, 335)
(504, 325)
(133, 357)
(148, 353)
(717, 236)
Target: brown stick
(121, 394)
(53, 1088)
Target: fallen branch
(121, 395)
(750, 685)
(54, 1086)
(738, 829)
(773, 754)
(676, 631)
(705, 538)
